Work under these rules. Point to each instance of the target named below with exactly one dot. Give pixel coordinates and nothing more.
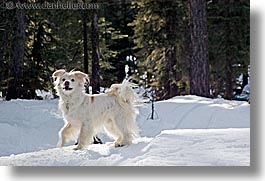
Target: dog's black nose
(66, 83)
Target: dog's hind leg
(67, 133)
(126, 129)
(114, 132)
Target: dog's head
(68, 82)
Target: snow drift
(189, 131)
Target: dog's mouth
(67, 88)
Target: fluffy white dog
(85, 115)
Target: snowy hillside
(189, 131)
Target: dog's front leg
(85, 137)
(64, 135)
(67, 133)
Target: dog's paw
(77, 148)
(118, 145)
(59, 145)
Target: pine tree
(228, 44)
(15, 83)
(199, 64)
(6, 32)
(95, 52)
(85, 39)
(160, 34)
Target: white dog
(85, 115)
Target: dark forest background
(175, 47)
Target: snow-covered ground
(189, 131)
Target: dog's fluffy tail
(124, 92)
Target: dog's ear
(80, 75)
(58, 73)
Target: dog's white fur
(85, 115)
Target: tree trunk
(171, 55)
(229, 54)
(95, 52)
(15, 83)
(173, 72)
(85, 41)
(228, 77)
(166, 75)
(170, 72)
(199, 63)
(85, 45)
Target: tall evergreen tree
(228, 23)
(199, 64)
(6, 33)
(95, 51)
(159, 35)
(15, 83)
(85, 43)
(229, 54)
(85, 39)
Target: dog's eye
(72, 80)
(63, 79)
